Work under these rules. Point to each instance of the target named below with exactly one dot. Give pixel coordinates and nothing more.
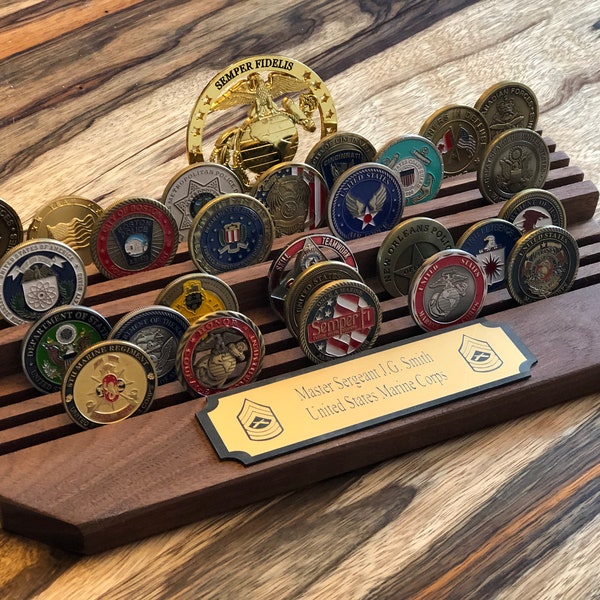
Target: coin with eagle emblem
(534, 208)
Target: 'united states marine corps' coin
(336, 153)
(515, 160)
(461, 134)
(11, 228)
(532, 209)
(307, 282)
(299, 255)
(405, 249)
(296, 196)
(340, 318)
(38, 275)
(220, 351)
(230, 232)
(543, 263)
(507, 105)
(197, 294)
(133, 235)
(54, 340)
(449, 288)
(418, 164)
(193, 187)
(107, 383)
(279, 103)
(69, 219)
(365, 200)
(490, 241)
(157, 330)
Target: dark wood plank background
(95, 99)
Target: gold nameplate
(286, 413)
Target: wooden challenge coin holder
(87, 491)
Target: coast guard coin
(515, 160)
(107, 383)
(281, 96)
(68, 219)
(461, 134)
(490, 241)
(340, 318)
(11, 228)
(532, 209)
(543, 263)
(507, 105)
(157, 330)
(220, 351)
(307, 282)
(299, 255)
(365, 200)
(337, 152)
(191, 188)
(54, 340)
(405, 249)
(449, 288)
(417, 163)
(196, 294)
(38, 275)
(296, 196)
(230, 232)
(133, 235)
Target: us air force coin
(490, 241)
(11, 228)
(278, 104)
(449, 288)
(532, 209)
(197, 294)
(461, 134)
(365, 200)
(507, 105)
(38, 275)
(337, 152)
(133, 235)
(220, 351)
(54, 340)
(230, 232)
(405, 249)
(418, 164)
(193, 187)
(69, 219)
(296, 196)
(515, 160)
(309, 280)
(543, 263)
(107, 383)
(299, 255)
(340, 318)
(157, 330)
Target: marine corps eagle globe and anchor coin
(279, 103)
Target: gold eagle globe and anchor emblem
(269, 133)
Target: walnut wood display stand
(91, 490)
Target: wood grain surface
(95, 100)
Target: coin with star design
(405, 249)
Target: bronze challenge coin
(133, 235)
(107, 383)
(534, 208)
(11, 228)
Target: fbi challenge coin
(54, 340)
(38, 275)
(193, 187)
(133, 235)
(449, 288)
(532, 209)
(107, 383)
(340, 318)
(543, 263)
(220, 351)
